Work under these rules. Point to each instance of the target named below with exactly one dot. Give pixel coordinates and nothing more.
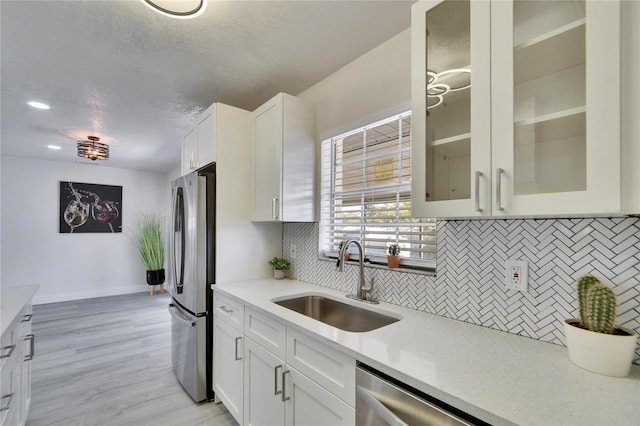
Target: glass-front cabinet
(516, 108)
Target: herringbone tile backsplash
(471, 259)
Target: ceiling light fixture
(38, 105)
(200, 6)
(436, 89)
(92, 149)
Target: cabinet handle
(275, 380)
(284, 385)
(225, 309)
(193, 160)
(9, 350)
(274, 208)
(499, 173)
(8, 397)
(236, 355)
(478, 174)
(32, 350)
(27, 318)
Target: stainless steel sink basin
(337, 314)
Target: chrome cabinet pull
(275, 380)
(478, 174)
(31, 338)
(8, 397)
(274, 208)
(225, 309)
(27, 318)
(499, 172)
(284, 385)
(236, 355)
(194, 160)
(9, 350)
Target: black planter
(155, 277)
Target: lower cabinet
(269, 374)
(278, 394)
(228, 367)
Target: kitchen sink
(337, 314)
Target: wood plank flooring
(107, 361)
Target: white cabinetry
(532, 124)
(198, 144)
(228, 339)
(283, 161)
(16, 353)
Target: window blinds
(366, 193)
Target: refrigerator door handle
(178, 231)
(175, 313)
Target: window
(366, 194)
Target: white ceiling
(137, 79)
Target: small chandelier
(168, 8)
(92, 149)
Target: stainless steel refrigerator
(191, 273)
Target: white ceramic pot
(607, 354)
(279, 274)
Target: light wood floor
(107, 361)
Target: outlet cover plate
(516, 275)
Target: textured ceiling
(118, 70)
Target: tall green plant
(150, 244)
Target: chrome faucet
(362, 293)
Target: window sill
(373, 263)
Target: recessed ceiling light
(39, 105)
(54, 147)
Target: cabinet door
(266, 159)
(190, 151)
(451, 109)
(263, 400)
(206, 136)
(228, 367)
(555, 64)
(309, 404)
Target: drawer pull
(284, 384)
(9, 350)
(275, 380)
(32, 350)
(226, 310)
(27, 318)
(8, 397)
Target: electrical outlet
(293, 251)
(517, 275)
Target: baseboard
(41, 298)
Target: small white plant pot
(606, 354)
(279, 274)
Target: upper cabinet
(283, 161)
(517, 109)
(198, 144)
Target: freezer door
(188, 243)
(188, 351)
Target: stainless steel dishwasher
(381, 400)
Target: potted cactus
(280, 267)
(595, 343)
(393, 258)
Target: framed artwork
(88, 207)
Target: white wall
(71, 266)
(372, 87)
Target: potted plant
(151, 249)
(595, 343)
(393, 260)
(280, 267)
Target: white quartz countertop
(12, 300)
(498, 377)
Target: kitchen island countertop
(496, 376)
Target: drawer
(328, 367)
(267, 331)
(229, 310)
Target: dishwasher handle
(175, 313)
(377, 406)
